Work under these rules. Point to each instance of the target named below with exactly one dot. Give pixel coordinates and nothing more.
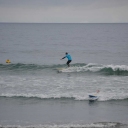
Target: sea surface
(35, 93)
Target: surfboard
(61, 69)
(93, 98)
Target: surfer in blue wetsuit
(69, 58)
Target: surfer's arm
(63, 57)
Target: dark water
(31, 80)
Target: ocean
(34, 94)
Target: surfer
(69, 58)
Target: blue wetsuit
(69, 57)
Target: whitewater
(45, 82)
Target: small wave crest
(59, 97)
(92, 125)
(20, 66)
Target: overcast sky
(64, 11)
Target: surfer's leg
(69, 61)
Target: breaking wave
(75, 68)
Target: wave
(71, 125)
(66, 98)
(37, 97)
(75, 68)
(20, 66)
(99, 68)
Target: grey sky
(64, 11)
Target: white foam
(93, 67)
(92, 125)
(76, 87)
(118, 67)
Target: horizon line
(68, 22)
